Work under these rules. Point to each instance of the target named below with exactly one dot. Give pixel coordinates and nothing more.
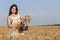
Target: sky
(42, 12)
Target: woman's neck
(13, 15)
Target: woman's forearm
(9, 25)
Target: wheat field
(34, 33)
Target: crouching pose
(14, 21)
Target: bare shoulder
(18, 14)
(8, 17)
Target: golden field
(34, 33)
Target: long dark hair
(14, 5)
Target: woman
(14, 20)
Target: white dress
(15, 19)
(12, 31)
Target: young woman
(14, 20)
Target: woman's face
(13, 10)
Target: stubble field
(34, 33)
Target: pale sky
(42, 12)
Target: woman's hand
(18, 24)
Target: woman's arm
(9, 23)
(19, 23)
(20, 20)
